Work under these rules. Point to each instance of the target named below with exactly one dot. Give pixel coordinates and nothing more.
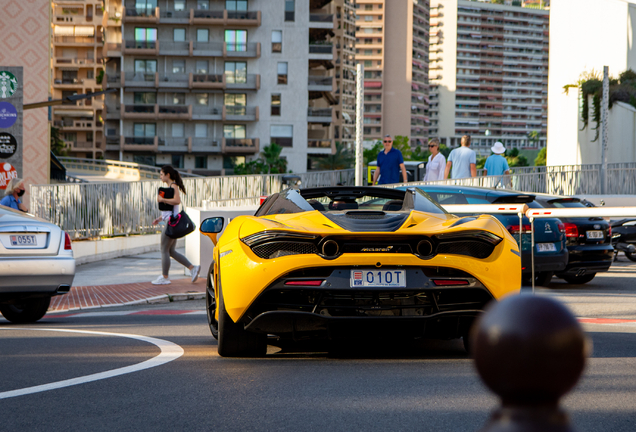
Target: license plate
(546, 247)
(378, 278)
(23, 240)
(597, 235)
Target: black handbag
(180, 225)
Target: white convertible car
(36, 263)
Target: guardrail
(89, 210)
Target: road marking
(169, 352)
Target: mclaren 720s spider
(345, 262)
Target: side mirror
(213, 225)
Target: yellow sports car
(339, 262)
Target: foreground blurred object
(530, 351)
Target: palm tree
(272, 160)
(341, 159)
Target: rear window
(565, 204)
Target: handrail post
(532, 250)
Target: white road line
(169, 352)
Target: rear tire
(26, 311)
(234, 341)
(579, 280)
(210, 307)
(630, 256)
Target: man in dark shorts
(390, 163)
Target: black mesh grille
(475, 249)
(364, 216)
(278, 249)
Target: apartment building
(392, 41)
(76, 68)
(206, 84)
(489, 74)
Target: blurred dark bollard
(530, 351)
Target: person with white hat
(496, 164)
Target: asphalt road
(429, 386)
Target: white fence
(87, 210)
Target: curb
(164, 298)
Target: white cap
(498, 148)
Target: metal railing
(89, 210)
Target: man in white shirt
(436, 162)
(462, 161)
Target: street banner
(11, 137)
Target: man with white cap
(496, 164)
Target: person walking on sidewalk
(436, 162)
(170, 207)
(390, 164)
(497, 165)
(462, 161)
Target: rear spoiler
(514, 199)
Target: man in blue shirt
(462, 161)
(497, 165)
(13, 192)
(390, 163)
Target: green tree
(481, 161)
(401, 143)
(274, 164)
(515, 159)
(58, 147)
(341, 159)
(370, 155)
(541, 157)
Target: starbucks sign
(8, 84)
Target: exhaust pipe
(63, 289)
(424, 248)
(330, 248)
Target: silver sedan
(36, 263)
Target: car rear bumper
(544, 263)
(591, 259)
(46, 275)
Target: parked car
(588, 240)
(345, 262)
(550, 255)
(36, 263)
(624, 238)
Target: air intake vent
(277, 249)
(472, 248)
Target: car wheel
(210, 307)
(26, 311)
(630, 256)
(234, 341)
(579, 279)
(540, 279)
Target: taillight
(571, 230)
(67, 242)
(449, 282)
(609, 232)
(561, 228)
(305, 282)
(514, 229)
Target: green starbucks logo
(8, 84)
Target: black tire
(630, 256)
(210, 307)
(579, 280)
(540, 279)
(467, 339)
(234, 341)
(26, 311)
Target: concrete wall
(99, 250)
(621, 146)
(585, 35)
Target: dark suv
(588, 241)
(551, 254)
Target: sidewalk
(125, 281)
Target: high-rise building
(206, 84)
(76, 68)
(489, 74)
(392, 41)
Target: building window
(90, 74)
(236, 40)
(203, 35)
(368, 7)
(145, 37)
(277, 41)
(178, 66)
(235, 104)
(146, 66)
(203, 4)
(178, 35)
(234, 131)
(282, 72)
(368, 52)
(202, 98)
(146, 98)
(201, 130)
(177, 161)
(179, 5)
(290, 10)
(229, 162)
(368, 18)
(145, 7)
(236, 5)
(235, 72)
(281, 135)
(201, 67)
(178, 130)
(201, 162)
(276, 104)
(145, 160)
(144, 129)
(368, 63)
(178, 98)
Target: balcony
(207, 17)
(319, 115)
(75, 40)
(206, 145)
(174, 17)
(320, 84)
(225, 18)
(80, 145)
(74, 125)
(207, 81)
(319, 144)
(141, 47)
(112, 80)
(172, 80)
(204, 112)
(139, 112)
(249, 82)
(240, 145)
(208, 49)
(111, 49)
(174, 112)
(141, 15)
(113, 111)
(174, 145)
(175, 48)
(320, 51)
(242, 50)
(139, 143)
(240, 113)
(77, 61)
(140, 79)
(323, 21)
